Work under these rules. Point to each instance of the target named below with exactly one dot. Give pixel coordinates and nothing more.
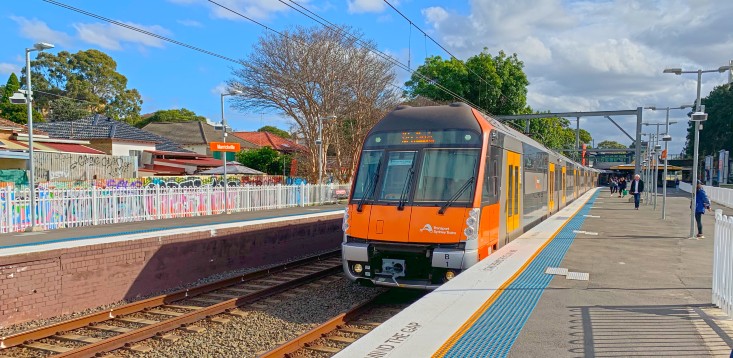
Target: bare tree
(312, 73)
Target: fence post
(278, 200)
(157, 204)
(95, 206)
(301, 197)
(208, 200)
(9, 209)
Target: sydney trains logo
(441, 230)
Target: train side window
(491, 178)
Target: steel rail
(321, 331)
(153, 330)
(84, 321)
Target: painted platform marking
(556, 271)
(580, 276)
(494, 332)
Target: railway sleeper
(323, 349)
(76, 338)
(47, 347)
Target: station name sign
(224, 147)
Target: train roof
(405, 118)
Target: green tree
(171, 115)
(717, 131)
(276, 131)
(265, 159)
(496, 84)
(10, 87)
(610, 144)
(67, 109)
(15, 112)
(89, 76)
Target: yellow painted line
(485, 306)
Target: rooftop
(194, 132)
(266, 139)
(101, 127)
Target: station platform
(27, 242)
(627, 284)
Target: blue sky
(579, 55)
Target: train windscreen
(444, 172)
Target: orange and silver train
(440, 188)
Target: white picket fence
(723, 263)
(63, 208)
(722, 196)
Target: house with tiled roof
(196, 136)
(110, 136)
(54, 157)
(267, 139)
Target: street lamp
(319, 142)
(657, 147)
(697, 118)
(29, 95)
(224, 154)
(666, 139)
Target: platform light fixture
(698, 109)
(40, 46)
(232, 92)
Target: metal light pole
(29, 95)
(696, 118)
(224, 139)
(666, 139)
(319, 141)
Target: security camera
(699, 117)
(667, 138)
(18, 98)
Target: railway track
(123, 326)
(340, 331)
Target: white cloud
(112, 37)
(598, 55)
(361, 6)
(190, 23)
(8, 68)
(37, 30)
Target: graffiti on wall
(168, 182)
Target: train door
(562, 185)
(388, 222)
(513, 186)
(551, 187)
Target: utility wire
(133, 28)
(331, 26)
(61, 96)
(441, 46)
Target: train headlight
(449, 275)
(345, 224)
(358, 268)
(472, 224)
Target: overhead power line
(339, 30)
(425, 34)
(133, 28)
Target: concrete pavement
(649, 291)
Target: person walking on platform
(614, 186)
(621, 187)
(636, 188)
(701, 203)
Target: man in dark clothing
(701, 203)
(636, 187)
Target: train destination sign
(426, 138)
(224, 147)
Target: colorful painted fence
(64, 208)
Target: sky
(578, 55)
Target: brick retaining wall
(50, 283)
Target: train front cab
(416, 205)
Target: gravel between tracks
(263, 329)
(20, 327)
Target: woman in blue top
(701, 203)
